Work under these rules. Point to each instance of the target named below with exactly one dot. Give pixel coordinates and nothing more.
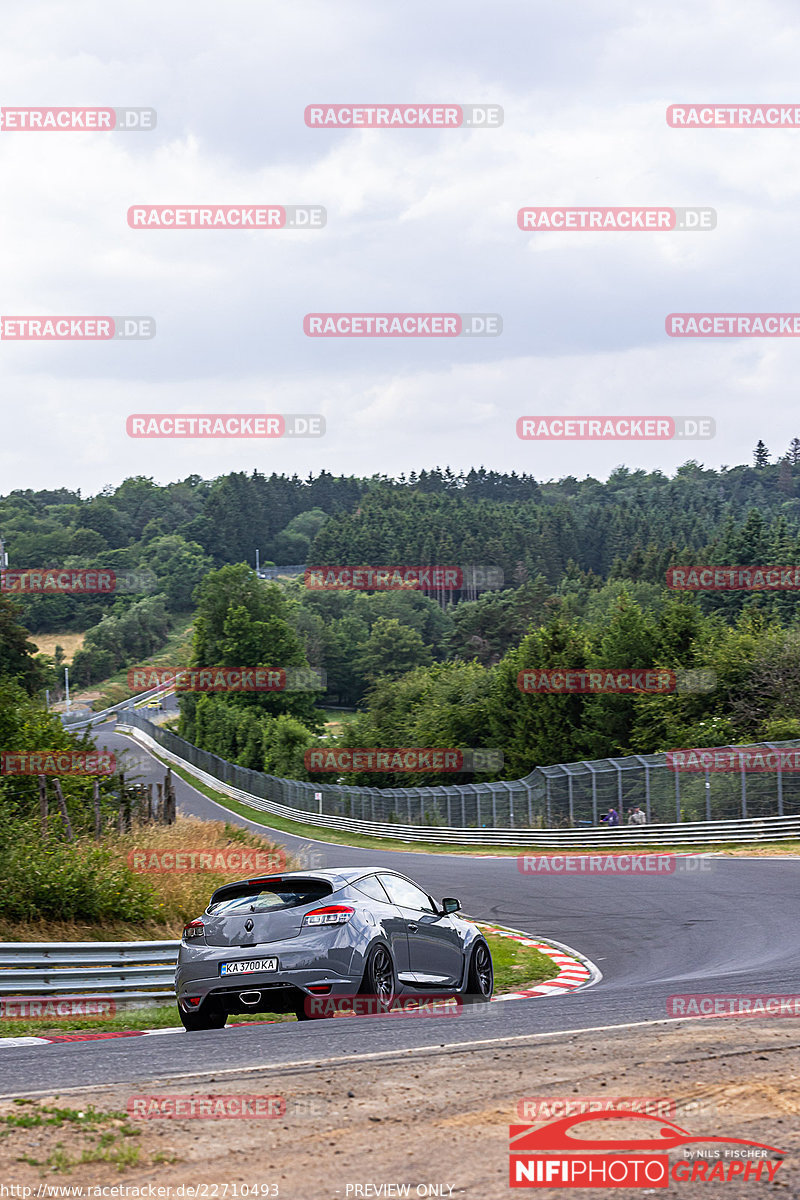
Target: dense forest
(584, 566)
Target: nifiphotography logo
(553, 1156)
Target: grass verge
(136, 902)
(515, 966)
(91, 1137)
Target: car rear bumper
(301, 968)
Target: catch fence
(564, 796)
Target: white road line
(349, 1059)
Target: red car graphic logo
(557, 1136)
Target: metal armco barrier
(126, 970)
(516, 833)
(99, 717)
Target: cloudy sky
(418, 221)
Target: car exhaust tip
(249, 997)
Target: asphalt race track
(714, 926)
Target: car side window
(406, 894)
(371, 886)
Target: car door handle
(413, 928)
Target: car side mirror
(450, 905)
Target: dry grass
(181, 895)
(46, 643)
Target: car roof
(337, 875)
(341, 874)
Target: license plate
(247, 966)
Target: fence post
(677, 796)
(646, 793)
(43, 804)
(96, 800)
(744, 789)
(780, 792)
(169, 799)
(510, 787)
(571, 802)
(63, 809)
(548, 809)
(708, 797)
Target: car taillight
(194, 929)
(333, 914)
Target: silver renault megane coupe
(277, 943)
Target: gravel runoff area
(432, 1119)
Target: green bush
(58, 881)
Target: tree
(17, 660)
(392, 649)
(786, 477)
(541, 728)
(244, 622)
(793, 453)
(285, 741)
(179, 566)
(760, 456)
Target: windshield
(270, 898)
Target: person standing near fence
(611, 819)
(637, 817)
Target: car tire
(480, 978)
(380, 978)
(206, 1017)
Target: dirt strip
(438, 1119)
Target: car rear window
(266, 897)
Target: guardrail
(125, 970)
(104, 714)
(755, 829)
